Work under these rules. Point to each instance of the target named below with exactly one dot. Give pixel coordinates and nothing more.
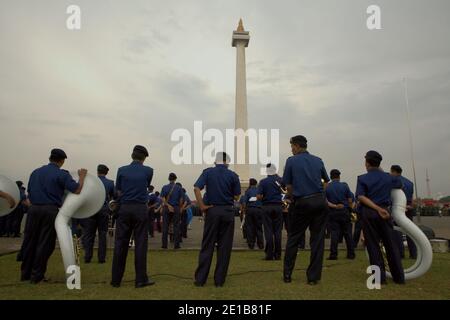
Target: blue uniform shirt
(221, 184)
(187, 200)
(132, 181)
(250, 197)
(176, 195)
(152, 198)
(377, 186)
(270, 190)
(109, 188)
(408, 189)
(305, 173)
(48, 183)
(338, 193)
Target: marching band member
(408, 189)
(340, 202)
(269, 192)
(303, 176)
(132, 183)
(222, 188)
(172, 196)
(99, 221)
(253, 216)
(373, 191)
(46, 188)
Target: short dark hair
(373, 162)
(57, 155)
(137, 155)
(151, 188)
(157, 193)
(373, 158)
(397, 168)
(253, 182)
(299, 140)
(335, 173)
(178, 184)
(102, 169)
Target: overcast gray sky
(137, 70)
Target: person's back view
(222, 188)
(132, 183)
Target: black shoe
(87, 261)
(261, 246)
(287, 279)
(145, 284)
(332, 258)
(267, 258)
(115, 285)
(38, 280)
(218, 285)
(351, 257)
(101, 261)
(198, 284)
(313, 283)
(23, 278)
(177, 247)
(277, 258)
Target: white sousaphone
(10, 187)
(79, 206)
(424, 250)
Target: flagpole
(411, 145)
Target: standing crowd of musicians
(303, 198)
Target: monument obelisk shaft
(240, 40)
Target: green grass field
(249, 278)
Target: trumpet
(285, 202)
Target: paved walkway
(441, 227)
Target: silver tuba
(10, 187)
(79, 206)
(424, 250)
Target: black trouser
(41, 242)
(357, 232)
(183, 224)
(254, 221)
(158, 221)
(26, 237)
(3, 226)
(375, 229)
(99, 222)
(273, 225)
(218, 230)
(14, 221)
(307, 212)
(131, 218)
(340, 225)
(174, 218)
(151, 221)
(286, 221)
(411, 245)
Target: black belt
(314, 195)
